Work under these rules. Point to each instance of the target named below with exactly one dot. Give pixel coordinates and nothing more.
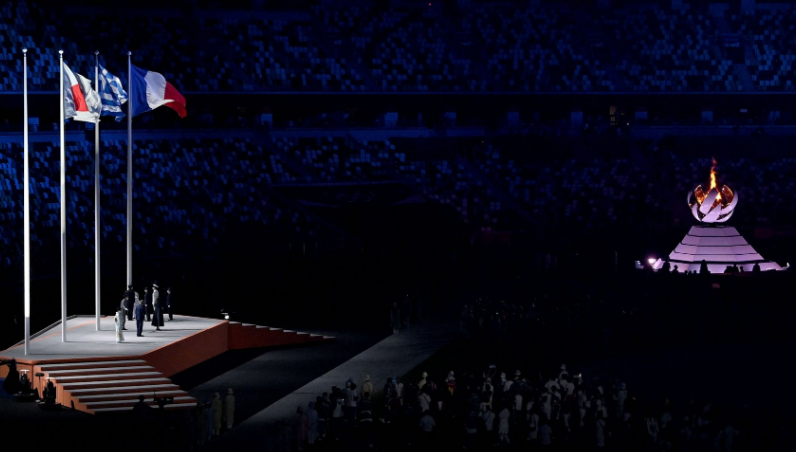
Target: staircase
(247, 335)
(110, 385)
(113, 384)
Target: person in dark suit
(122, 308)
(168, 303)
(148, 303)
(140, 313)
(129, 302)
(157, 303)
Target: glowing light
(713, 179)
(714, 204)
(651, 260)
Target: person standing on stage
(118, 320)
(140, 313)
(129, 302)
(122, 309)
(157, 318)
(168, 304)
(148, 303)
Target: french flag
(150, 90)
(81, 103)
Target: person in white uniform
(118, 321)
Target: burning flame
(713, 180)
(722, 204)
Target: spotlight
(651, 260)
(225, 313)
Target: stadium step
(91, 364)
(108, 377)
(110, 385)
(111, 391)
(120, 410)
(248, 335)
(114, 385)
(94, 371)
(130, 393)
(128, 403)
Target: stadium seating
(193, 192)
(364, 47)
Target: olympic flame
(713, 179)
(714, 205)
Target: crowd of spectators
(199, 190)
(480, 394)
(770, 61)
(670, 51)
(186, 193)
(420, 48)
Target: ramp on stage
(93, 373)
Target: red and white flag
(81, 102)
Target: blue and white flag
(112, 94)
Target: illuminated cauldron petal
(712, 215)
(710, 199)
(731, 206)
(695, 211)
(711, 209)
(725, 218)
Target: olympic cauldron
(719, 246)
(715, 206)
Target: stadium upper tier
(201, 192)
(367, 48)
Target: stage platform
(95, 374)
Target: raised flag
(81, 102)
(111, 94)
(151, 90)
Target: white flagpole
(26, 200)
(130, 98)
(63, 204)
(97, 226)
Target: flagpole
(26, 199)
(129, 170)
(63, 202)
(97, 227)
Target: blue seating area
(186, 194)
(769, 35)
(682, 45)
(366, 47)
(193, 192)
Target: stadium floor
(393, 356)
